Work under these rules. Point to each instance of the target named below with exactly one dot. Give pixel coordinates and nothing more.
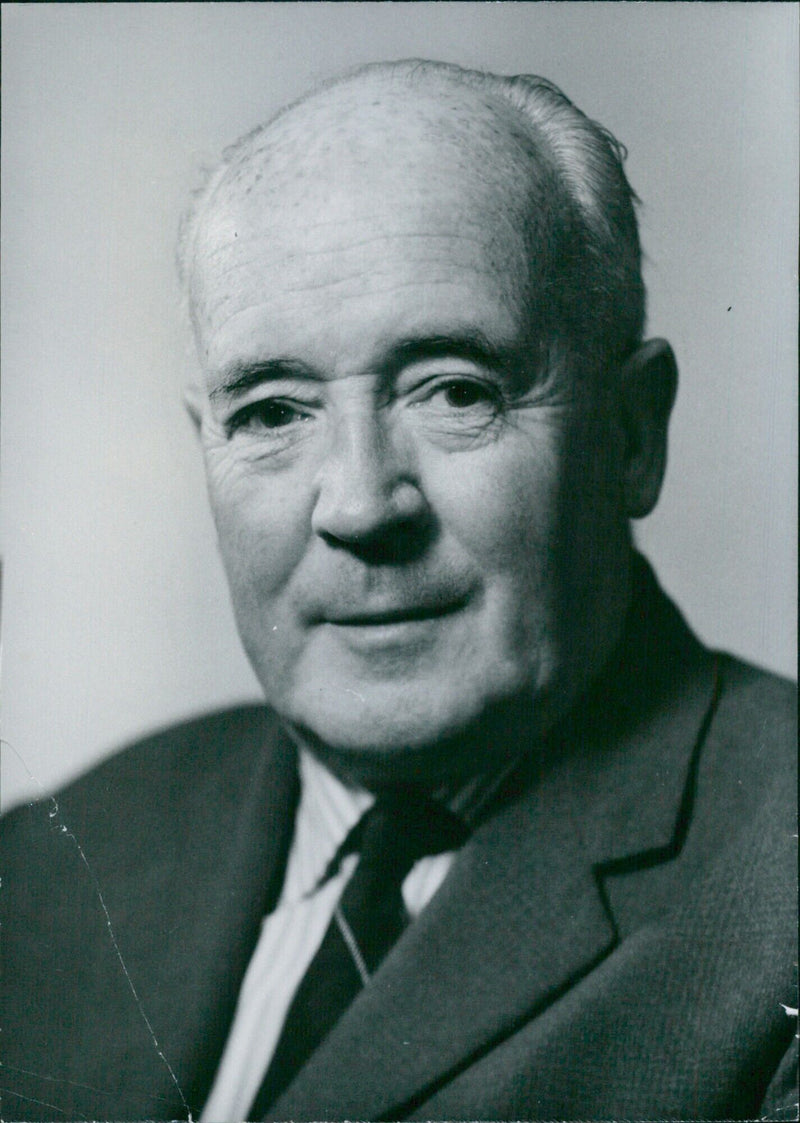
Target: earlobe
(648, 382)
(194, 400)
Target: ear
(194, 399)
(648, 381)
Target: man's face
(420, 525)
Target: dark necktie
(393, 834)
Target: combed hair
(595, 293)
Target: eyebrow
(471, 345)
(241, 377)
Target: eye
(473, 397)
(461, 393)
(267, 414)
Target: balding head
(549, 181)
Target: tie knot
(398, 830)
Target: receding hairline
(585, 161)
(497, 129)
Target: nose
(367, 491)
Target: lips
(397, 615)
(361, 598)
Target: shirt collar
(329, 808)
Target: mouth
(400, 615)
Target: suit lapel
(523, 913)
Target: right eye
(268, 414)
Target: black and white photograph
(399, 561)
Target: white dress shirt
(292, 933)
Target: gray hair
(595, 299)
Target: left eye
(461, 393)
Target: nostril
(396, 543)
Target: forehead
(382, 131)
(418, 208)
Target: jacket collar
(627, 753)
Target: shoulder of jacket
(157, 770)
(756, 713)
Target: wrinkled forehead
(359, 164)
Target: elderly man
(507, 842)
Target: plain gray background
(116, 617)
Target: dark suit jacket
(615, 942)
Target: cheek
(502, 504)
(537, 515)
(262, 526)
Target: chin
(404, 736)
(369, 725)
